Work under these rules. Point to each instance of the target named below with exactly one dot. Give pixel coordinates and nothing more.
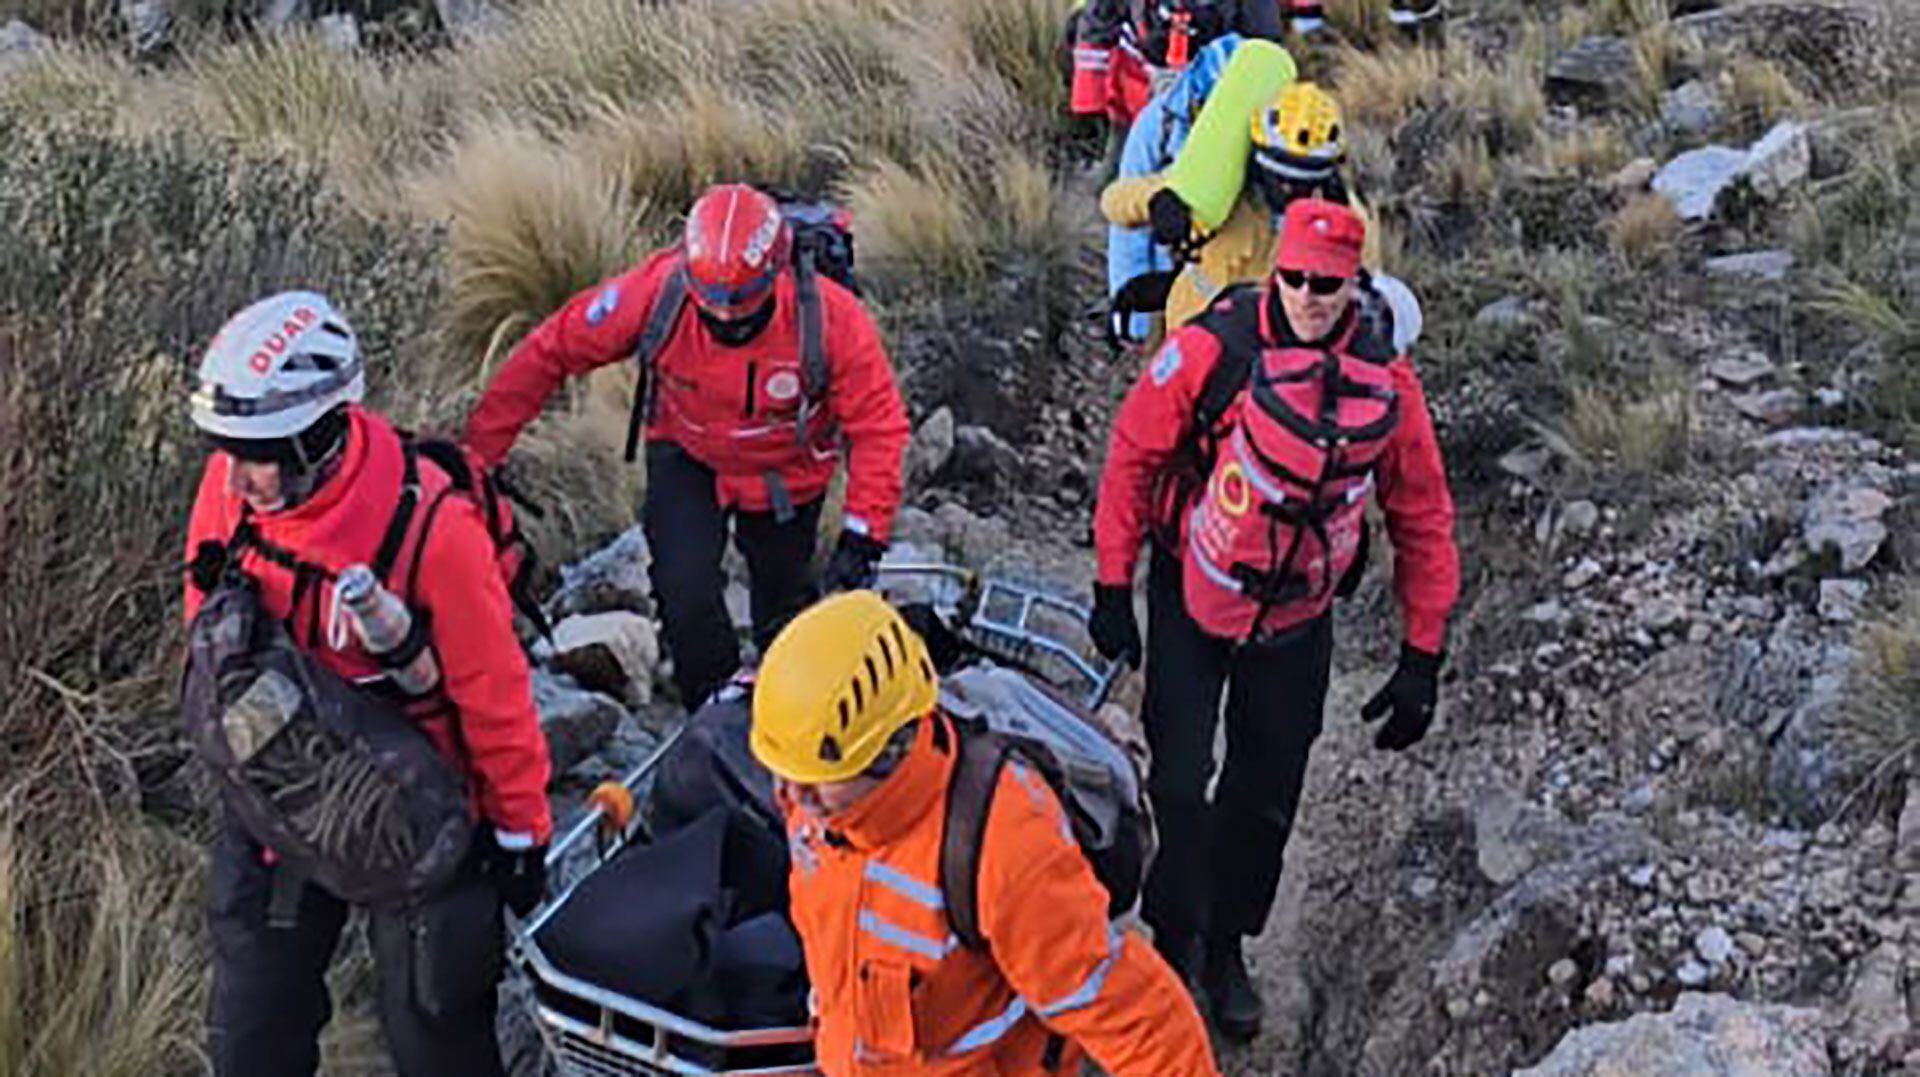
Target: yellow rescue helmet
(1300, 125)
(839, 680)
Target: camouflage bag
(342, 786)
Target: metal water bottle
(382, 622)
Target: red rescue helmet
(736, 245)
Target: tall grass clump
(1879, 724)
(527, 227)
(97, 972)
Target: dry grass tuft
(1638, 433)
(96, 930)
(1646, 231)
(917, 224)
(1381, 87)
(1759, 91)
(1592, 150)
(527, 228)
(1879, 726)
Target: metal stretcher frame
(994, 615)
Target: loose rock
(1751, 265)
(615, 653)
(1596, 72)
(1704, 1036)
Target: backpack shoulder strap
(813, 352)
(653, 336)
(1234, 320)
(402, 519)
(979, 755)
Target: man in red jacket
(741, 426)
(1248, 449)
(316, 479)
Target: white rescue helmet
(276, 368)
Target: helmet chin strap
(735, 332)
(312, 464)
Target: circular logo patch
(1235, 495)
(783, 385)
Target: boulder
(1832, 44)
(1790, 689)
(1751, 265)
(1507, 312)
(577, 722)
(1906, 856)
(1848, 521)
(980, 455)
(1840, 600)
(931, 448)
(612, 578)
(464, 19)
(1706, 1035)
(149, 23)
(18, 39)
(1692, 111)
(1775, 407)
(1505, 952)
(1780, 162)
(615, 652)
(340, 31)
(1741, 371)
(1596, 72)
(1694, 180)
(1877, 1025)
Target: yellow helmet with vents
(839, 680)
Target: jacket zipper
(746, 412)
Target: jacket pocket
(883, 1011)
(456, 949)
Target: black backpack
(345, 788)
(1000, 715)
(822, 246)
(335, 777)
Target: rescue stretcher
(591, 1031)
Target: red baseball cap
(1320, 237)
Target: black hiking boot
(1236, 1006)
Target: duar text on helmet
(302, 319)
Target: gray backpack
(1001, 714)
(341, 784)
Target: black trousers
(1219, 860)
(437, 966)
(687, 535)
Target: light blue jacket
(1152, 143)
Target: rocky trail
(1565, 849)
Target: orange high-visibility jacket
(896, 993)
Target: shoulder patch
(603, 304)
(1166, 364)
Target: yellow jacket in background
(1242, 250)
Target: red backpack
(1279, 523)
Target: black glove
(1169, 219)
(519, 874)
(944, 645)
(1115, 631)
(853, 561)
(1411, 695)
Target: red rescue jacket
(732, 409)
(457, 586)
(1405, 471)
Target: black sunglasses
(1314, 282)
